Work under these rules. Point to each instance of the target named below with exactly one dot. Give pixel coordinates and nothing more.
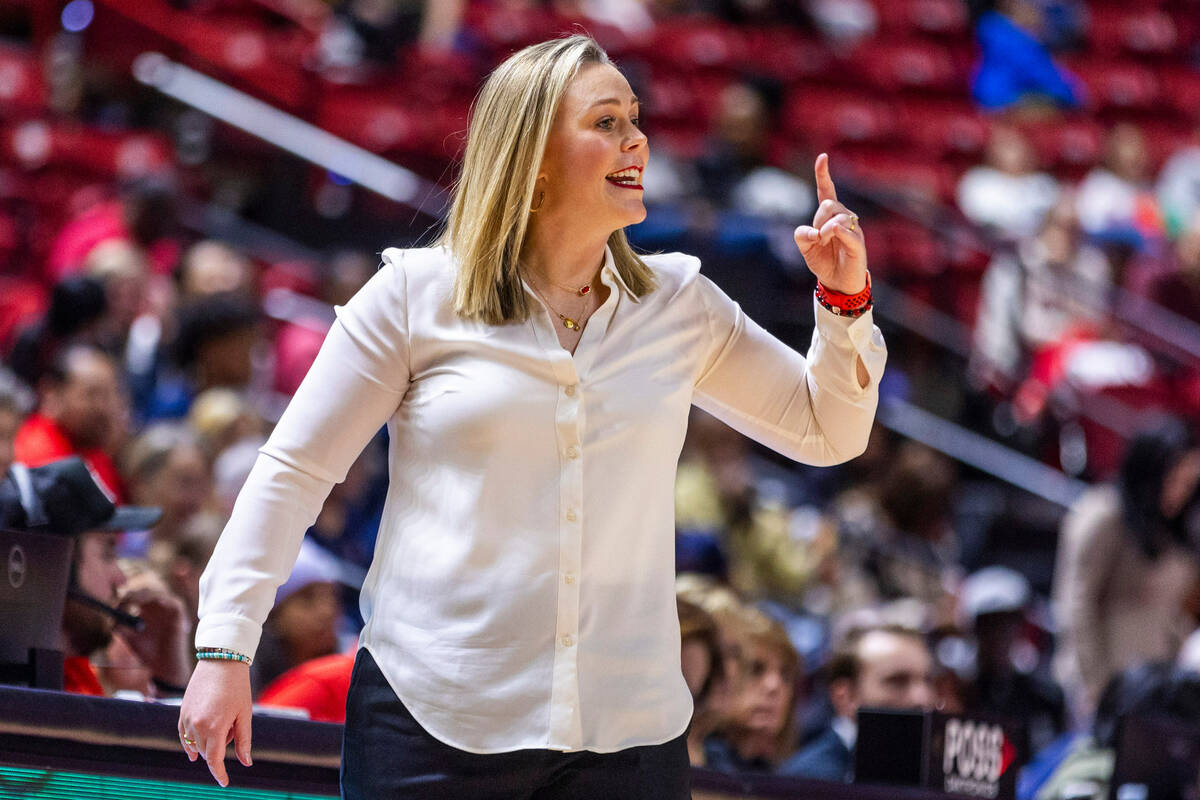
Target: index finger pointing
(825, 187)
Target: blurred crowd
(162, 355)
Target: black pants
(387, 755)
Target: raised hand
(833, 245)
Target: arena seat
(1120, 85)
(912, 66)
(830, 117)
(22, 89)
(1133, 31)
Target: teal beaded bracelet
(220, 654)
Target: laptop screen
(34, 568)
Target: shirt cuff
(230, 631)
(854, 336)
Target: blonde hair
(489, 213)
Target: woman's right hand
(215, 711)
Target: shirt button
(569, 579)
(572, 452)
(572, 516)
(570, 390)
(567, 641)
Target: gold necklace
(581, 291)
(570, 323)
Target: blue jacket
(825, 758)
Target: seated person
(66, 499)
(758, 731)
(884, 666)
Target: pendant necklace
(570, 323)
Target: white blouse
(522, 593)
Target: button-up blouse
(521, 592)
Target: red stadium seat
(1133, 31)
(1181, 88)
(1068, 143)
(372, 119)
(940, 18)
(901, 173)
(35, 144)
(1120, 85)
(915, 66)
(691, 43)
(826, 118)
(787, 55)
(22, 90)
(944, 129)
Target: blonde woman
(535, 375)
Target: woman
(521, 637)
(1127, 565)
(758, 731)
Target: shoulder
(675, 272)
(825, 757)
(420, 272)
(418, 263)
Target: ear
(844, 698)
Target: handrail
(980, 452)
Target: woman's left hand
(833, 246)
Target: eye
(608, 122)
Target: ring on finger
(189, 740)
(853, 222)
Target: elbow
(849, 443)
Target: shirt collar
(610, 269)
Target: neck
(562, 254)
(757, 744)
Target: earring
(541, 198)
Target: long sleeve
(812, 410)
(1091, 547)
(354, 386)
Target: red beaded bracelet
(845, 305)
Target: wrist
(843, 304)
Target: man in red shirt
(80, 412)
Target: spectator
(702, 662)
(215, 346)
(1035, 293)
(1116, 202)
(318, 686)
(68, 500)
(720, 497)
(221, 418)
(81, 411)
(884, 666)
(304, 621)
(1158, 690)
(1178, 288)
(180, 561)
(895, 540)
(145, 214)
(211, 267)
(995, 601)
(1005, 195)
(735, 172)
(78, 306)
(758, 730)
(122, 270)
(1015, 67)
(15, 402)
(1178, 188)
(1125, 565)
(165, 466)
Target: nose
(920, 694)
(637, 138)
